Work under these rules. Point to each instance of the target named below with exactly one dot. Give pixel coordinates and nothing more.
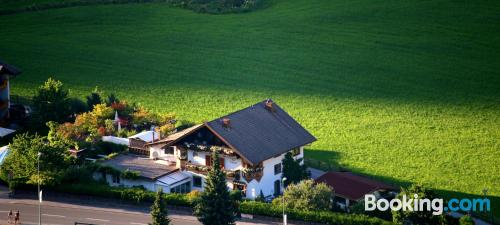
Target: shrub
(306, 196)
(466, 220)
(324, 217)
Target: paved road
(61, 213)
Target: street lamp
(283, 188)
(39, 194)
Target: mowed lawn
(407, 91)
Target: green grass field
(407, 91)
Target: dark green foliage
(159, 211)
(292, 170)
(107, 148)
(111, 99)
(215, 206)
(130, 174)
(93, 99)
(359, 208)
(51, 103)
(22, 160)
(77, 106)
(466, 220)
(219, 6)
(260, 197)
(417, 217)
(306, 195)
(323, 217)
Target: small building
(137, 143)
(350, 188)
(152, 175)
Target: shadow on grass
(318, 158)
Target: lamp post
(39, 194)
(283, 197)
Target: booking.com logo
(435, 205)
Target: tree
(159, 211)
(22, 160)
(292, 170)
(306, 195)
(112, 99)
(51, 103)
(94, 98)
(215, 206)
(416, 217)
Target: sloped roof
(258, 133)
(176, 136)
(8, 69)
(146, 136)
(352, 186)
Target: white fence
(116, 140)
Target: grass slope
(408, 91)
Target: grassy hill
(407, 91)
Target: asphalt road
(61, 213)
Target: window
(169, 150)
(208, 160)
(296, 151)
(277, 169)
(197, 181)
(183, 188)
(277, 188)
(222, 163)
(116, 178)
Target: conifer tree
(159, 211)
(292, 170)
(215, 206)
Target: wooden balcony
(202, 169)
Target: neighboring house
(252, 143)
(152, 174)
(350, 188)
(6, 73)
(137, 143)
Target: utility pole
(39, 193)
(283, 196)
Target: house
(251, 143)
(152, 174)
(137, 143)
(350, 188)
(9, 113)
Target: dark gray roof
(258, 133)
(8, 69)
(147, 168)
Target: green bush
(325, 217)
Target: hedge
(140, 195)
(136, 195)
(325, 217)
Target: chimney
(270, 105)
(226, 122)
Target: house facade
(251, 143)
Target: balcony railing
(202, 169)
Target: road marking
(97, 219)
(54, 215)
(138, 223)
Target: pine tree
(215, 206)
(292, 170)
(159, 211)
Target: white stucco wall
(230, 162)
(266, 183)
